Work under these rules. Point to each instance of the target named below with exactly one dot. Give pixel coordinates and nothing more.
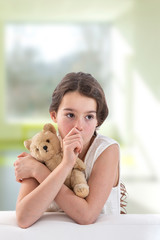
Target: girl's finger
(73, 137)
(24, 154)
(73, 131)
(73, 141)
(19, 180)
(76, 146)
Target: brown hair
(86, 85)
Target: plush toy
(45, 147)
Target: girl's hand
(25, 166)
(72, 146)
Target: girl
(78, 107)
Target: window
(39, 55)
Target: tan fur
(45, 147)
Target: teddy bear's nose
(45, 147)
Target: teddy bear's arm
(79, 165)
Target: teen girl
(78, 107)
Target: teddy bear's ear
(49, 127)
(27, 143)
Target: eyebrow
(73, 110)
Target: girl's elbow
(84, 222)
(22, 221)
(23, 226)
(87, 220)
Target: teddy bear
(45, 147)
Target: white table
(57, 226)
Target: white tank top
(100, 143)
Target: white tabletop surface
(60, 227)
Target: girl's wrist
(40, 172)
(67, 165)
(35, 170)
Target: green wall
(138, 21)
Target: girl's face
(78, 111)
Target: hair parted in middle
(86, 85)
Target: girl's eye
(48, 141)
(89, 117)
(70, 115)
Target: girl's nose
(78, 125)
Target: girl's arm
(84, 211)
(104, 176)
(34, 199)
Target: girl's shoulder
(103, 141)
(99, 144)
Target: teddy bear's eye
(47, 140)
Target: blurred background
(118, 43)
